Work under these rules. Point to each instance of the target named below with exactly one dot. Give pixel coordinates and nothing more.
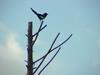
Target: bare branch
(39, 59)
(39, 30)
(26, 35)
(62, 43)
(37, 33)
(47, 53)
(53, 49)
(49, 61)
(49, 48)
(39, 65)
(53, 42)
(31, 68)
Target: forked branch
(49, 51)
(54, 48)
(49, 61)
(37, 33)
(33, 70)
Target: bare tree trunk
(33, 69)
(29, 50)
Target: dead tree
(31, 69)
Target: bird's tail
(34, 11)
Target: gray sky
(79, 56)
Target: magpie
(40, 16)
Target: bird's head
(45, 14)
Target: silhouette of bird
(40, 16)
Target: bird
(40, 16)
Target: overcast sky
(79, 56)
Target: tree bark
(29, 50)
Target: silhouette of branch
(37, 34)
(49, 61)
(47, 53)
(54, 48)
(39, 31)
(62, 43)
(53, 42)
(50, 49)
(32, 38)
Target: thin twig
(62, 43)
(54, 42)
(37, 36)
(47, 53)
(54, 48)
(37, 33)
(49, 61)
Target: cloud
(10, 45)
(11, 53)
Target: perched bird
(40, 16)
